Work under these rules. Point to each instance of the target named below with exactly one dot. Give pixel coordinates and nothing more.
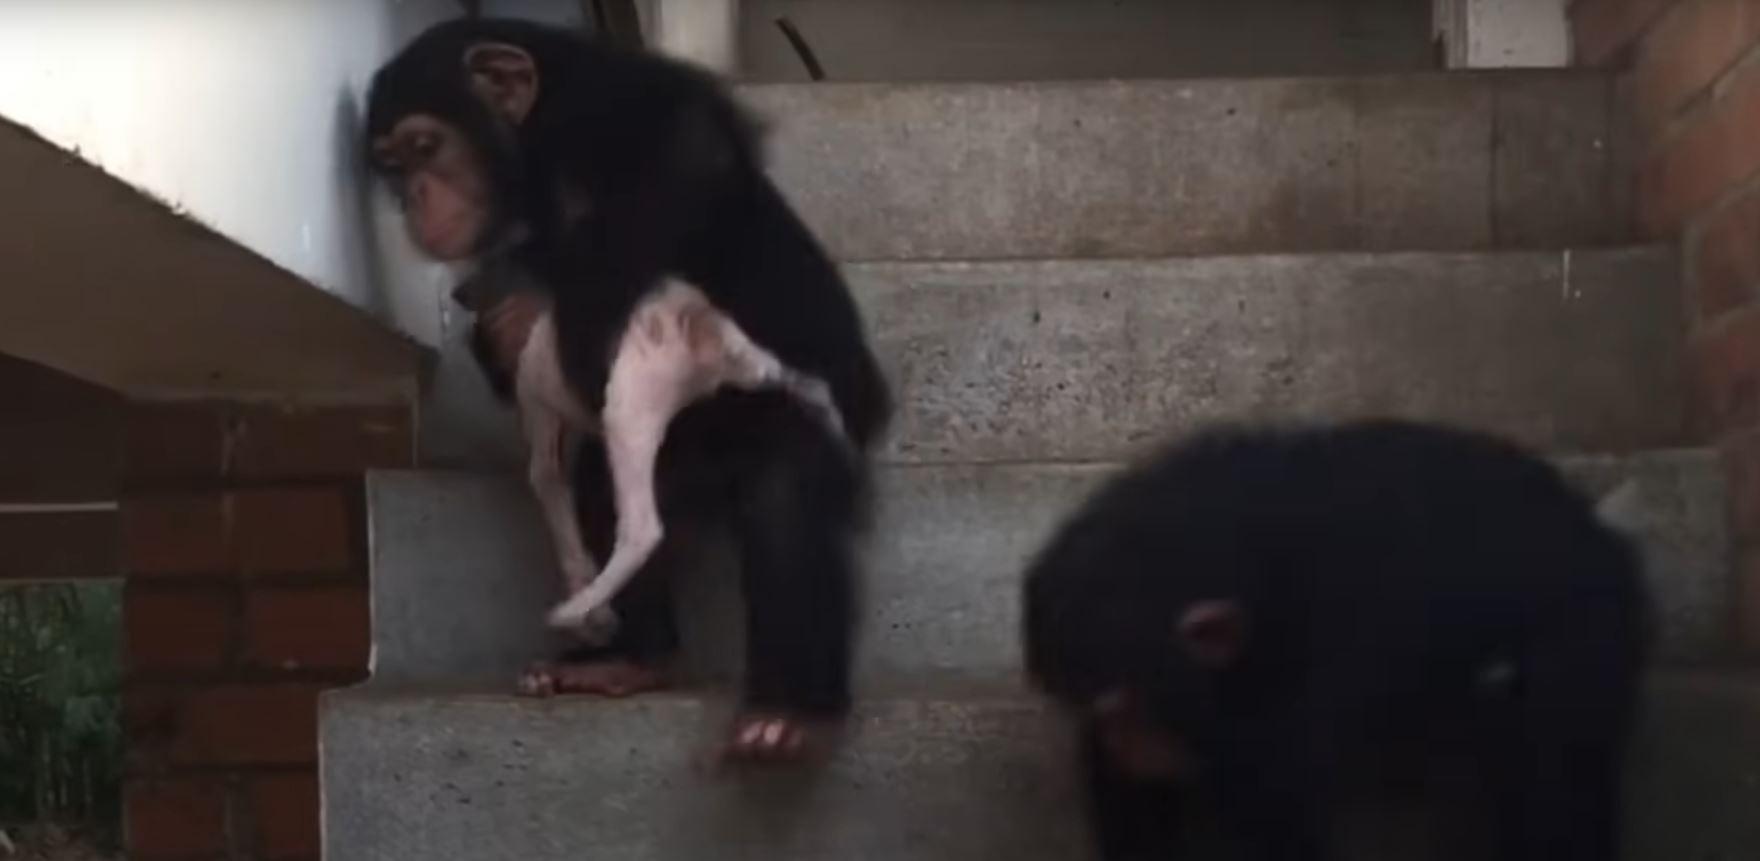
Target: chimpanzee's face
(442, 183)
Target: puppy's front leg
(550, 416)
(551, 448)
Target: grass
(60, 723)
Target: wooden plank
(59, 437)
(64, 545)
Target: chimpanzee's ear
(1213, 632)
(504, 77)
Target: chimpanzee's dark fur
(669, 171)
(1392, 575)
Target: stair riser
(462, 572)
(412, 779)
(1067, 360)
(1097, 360)
(1147, 168)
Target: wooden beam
(60, 545)
(165, 307)
(60, 438)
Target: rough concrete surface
(1090, 360)
(462, 572)
(1147, 168)
(924, 776)
(1675, 503)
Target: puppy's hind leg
(738, 361)
(650, 382)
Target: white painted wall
(705, 32)
(1500, 34)
(242, 114)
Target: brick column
(244, 547)
(1690, 70)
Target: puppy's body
(675, 349)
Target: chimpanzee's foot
(771, 736)
(618, 677)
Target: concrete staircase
(1057, 277)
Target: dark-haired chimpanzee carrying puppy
(668, 266)
(1262, 615)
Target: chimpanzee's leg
(637, 657)
(797, 496)
(1566, 755)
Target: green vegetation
(60, 725)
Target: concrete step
(462, 572)
(1528, 159)
(924, 775)
(1091, 360)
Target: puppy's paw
(599, 626)
(594, 625)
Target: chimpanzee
(1259, 615)
(616, 177)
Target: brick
(318, 442)
(293, 530)
(174, 818)
(1686, 51)
(284, 816)
(222, 726)
(177, 630)
(166, 534)
(321, 628)
(1740, 455)
(1724, 361)
(173, 442)
(1604, 29)
(149, 717)
(1727, 255)
(1714, 152)
(59, 546)
(1747, 600)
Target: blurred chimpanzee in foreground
(1257, 618)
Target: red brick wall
(244, 547)
(1691, 72)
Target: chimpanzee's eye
(423, 147)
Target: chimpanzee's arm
(664, 176)
(1134, 819)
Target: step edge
(1483, 77)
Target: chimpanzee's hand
(509, 323)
